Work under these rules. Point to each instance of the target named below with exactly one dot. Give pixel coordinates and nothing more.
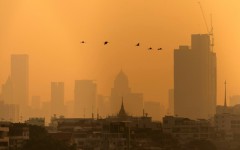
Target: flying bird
(150, 48)
(83, 42)
(159, 49)
(106, 42)
(138, 44)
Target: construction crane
(209, 31)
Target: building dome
(121, 80)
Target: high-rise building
(120, 89)
(20, 80)
(57, 98)
(85, 93)
(195, 79)
(133, 101)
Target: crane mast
(209, 31)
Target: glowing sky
(50, 31)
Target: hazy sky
(50, 31)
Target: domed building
(133, 101)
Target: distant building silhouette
(20, 80)
(57, 98)
(85, 93)
(195, 79)
(133, 101)
(9, 112)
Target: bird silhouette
(106, 42)
(150, 48)
(159, 49)
(138, 44)
(83, 42)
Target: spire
(122, 112)
(92, 112)
(122, 103)
(225, 99)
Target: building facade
(185, 129)
(195, 79)
(4, 136)
(20, 80)
(57, 98)
(85, 93)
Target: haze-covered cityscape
(71, 81)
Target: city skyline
(119, 75)
(162, 29)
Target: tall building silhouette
(85, 93)
(57, 98)
(133, 101)
(195, 79)
(20, 80)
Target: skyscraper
(195, 79)
(57, 98)
(85, 93)
(121, 89)
(20, 80)
(133, 101)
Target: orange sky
(50, 32)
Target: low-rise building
(114, 132)
(36, 121)
(4, 135)
(18, 135)
(229, 124)
(186, 129)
